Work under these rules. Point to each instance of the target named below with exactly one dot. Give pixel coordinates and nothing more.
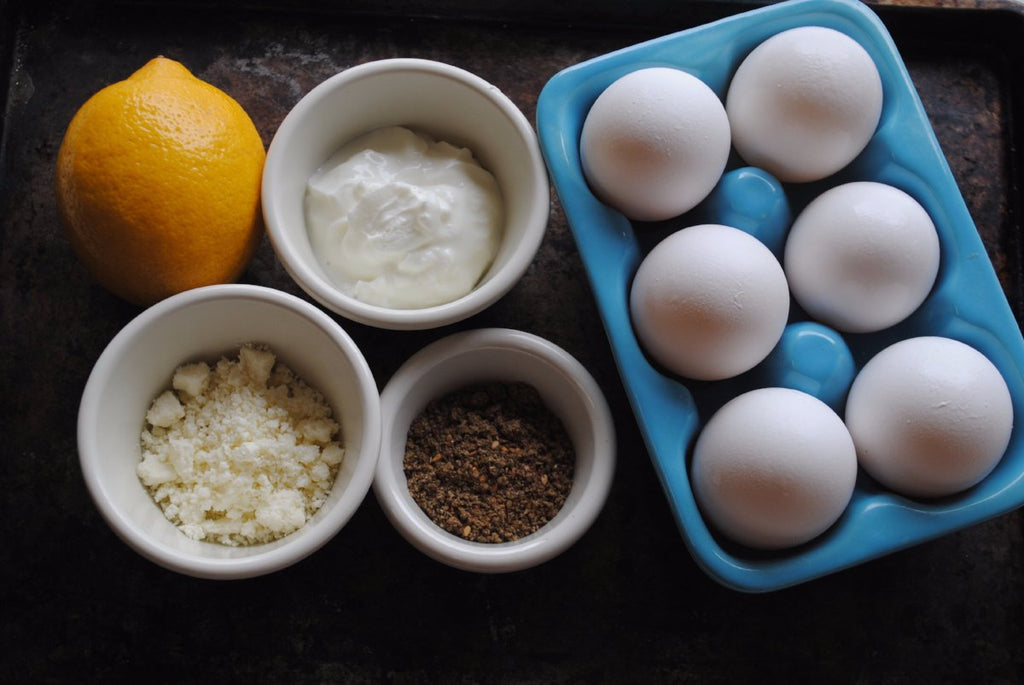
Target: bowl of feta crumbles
(229, 431)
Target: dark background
(625, 604)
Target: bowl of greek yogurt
(405, 194)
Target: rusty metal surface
(626, 604)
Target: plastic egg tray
(967, 302)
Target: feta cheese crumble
(241, 452)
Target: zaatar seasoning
(489, 462)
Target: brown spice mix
(489, 462)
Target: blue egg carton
(967, 302)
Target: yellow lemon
(158, 184)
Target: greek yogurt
(400, 220)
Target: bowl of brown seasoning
(497, 453)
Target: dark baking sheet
(626, 604)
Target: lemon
(158, 184)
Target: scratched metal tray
(55, 321)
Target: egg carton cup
(967, 302)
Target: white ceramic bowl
(497, 354)
(452, 105)
(205, 324)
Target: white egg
(862, 256)
(655, 143)
(773, 468)
(709, 302)
(930, 416)
(804, 103)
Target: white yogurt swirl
(400, 220)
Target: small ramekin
(205, 324)
(450, 104)
(506, 355)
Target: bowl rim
(324, 292)
(287, 551)
(404, 514)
